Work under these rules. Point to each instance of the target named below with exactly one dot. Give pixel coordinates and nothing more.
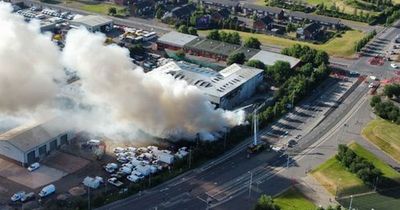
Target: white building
(226, 89)
(32, 142)
(93, 23)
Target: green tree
(235, 38)
(214, 35)
(256, 64)
(183, 29)
(192, 31)
(159, 13)
(136, 49)
(238, 58)
(279, 72)
(321, 57)
(112, 11)
(375, 100)
(266, 203)
(252, 42)
(392, 90)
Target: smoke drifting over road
(118, 97)
(29, 64)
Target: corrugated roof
(269, 58)
(33, 134)
(92, 20)
(176, 39)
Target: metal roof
(269, 58)
(92, 20)
(31, 135)
(176, 39)
(214, 84)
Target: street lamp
(351, 201)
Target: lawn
(385, 135)
(387, 200)
(338, 47)
(292, 199)
(334, 177)
(387, 171)
(101, 8)
(349, 9)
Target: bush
(361, 43)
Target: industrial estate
(200, 104)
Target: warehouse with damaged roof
(226, 88)
(29, 143)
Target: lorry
(49, 189)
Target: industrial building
(93, 23)
(217, 50)
(32, 142)
(226, 89)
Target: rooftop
(92, 20)
(313, 17)
(269, 58)
(274, 10)
(176, 38)
(214, 84)
(32, 134)
(230, 3)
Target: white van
(49, 189)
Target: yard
(338, 47)
(385, 135)
(292, 199)
(335, 178)
(102, 8)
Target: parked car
(133, 178)
(111, 167)
(17, 196)
(114, 181)
(28, 197)
(93, 142)
(48, 190)
(292, 143)
(33, 166)
(393, 65)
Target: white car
(133, 178)
(17, 196)
(277, 149)
(33, 166)
(393, 65)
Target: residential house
(219, 15)
(143, 7)
(262, 24)
(309, 31)
(301, 17)
(261, 11)
(179, 13)
(231, 5)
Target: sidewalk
(313, 190)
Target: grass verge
(338, 47)
(292, 199)
(102, 8)
(385, 135)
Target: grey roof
(229, 3)
(29, 136)
(269, 58)
(176, 39)
(220, 48)
(313, 17)
(92, 20)
(274, 10)
(213, 84)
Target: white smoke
(29, 64)
(155, 103)
(114, 97)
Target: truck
(165, 157)
(49, 189)
(93, 183)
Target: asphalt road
(223, 182)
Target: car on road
(393, 65)
(292, 143)
(277, 148)
(17, 196)
(28, 197)
(33, 166)
(114, 181)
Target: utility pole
(88, 198)
(250, 183)
(376, 183)
(190, 158)
(351, 201)
(225, 140)
(288, 160)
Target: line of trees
(362, 42)
(232, 38)
(358, 165)
(386, 109)
(307, 54)
(392, 90)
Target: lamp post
(351, 201)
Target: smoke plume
(155, 103)
(29, 65)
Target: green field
(387, 200)
(385, 135)
(338, 47)
(101, 8)
(387, 171)
(292, 199)
(335, 178)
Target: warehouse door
(64, 139)
(31, 157)
(42, 151)
(53, 145)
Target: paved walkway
(313, 190)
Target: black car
(292, 143)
